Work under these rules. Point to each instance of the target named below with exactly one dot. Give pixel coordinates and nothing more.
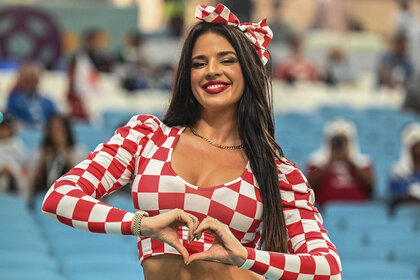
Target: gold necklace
(236, 147)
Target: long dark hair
(48, 132)
(255, 123)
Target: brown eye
(230, 61)
(198, 64)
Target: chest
(157, 188)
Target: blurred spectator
(282, 31)
(133, 68)
(163, 76)
(241, 8)
(408, 23)
(296, 67)
(337, 68)
(412, 94)
(84, 69)
(337, 170)
(12, 160)
(332, 15)
(57, 155)
(395, 67)
(405, 174)
(25, 101)
(174, 12)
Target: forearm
(69, 204)
(291, 266)
(73, 199)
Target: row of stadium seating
(299, 134)
(371, 244)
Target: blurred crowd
(336, 171)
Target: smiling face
(216, 76)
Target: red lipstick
(215, 87)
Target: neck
(220, 127)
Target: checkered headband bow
(258, 33)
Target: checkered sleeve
(311, 253)
(73, 198)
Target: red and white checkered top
(141, 152)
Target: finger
(191, 230)
(181, 249)
(199, 257)
(190, 221)
(208, 224)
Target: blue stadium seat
(12, 259)
(376, 270)
(330, 112)
(90, 136)
(31, 138)
(88, 264)
(339, 210)
(121, 201)
(13, 206)
(33, 274)
(108, 275)
(22, 242)
(111, 120)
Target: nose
(213, 69)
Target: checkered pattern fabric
(141, 152)
(259, 33)
(312, 254)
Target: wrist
(241, 257)
(250, 259)
(136, 224)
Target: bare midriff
(164, 267)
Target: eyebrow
(220, 54)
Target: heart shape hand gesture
(225, 248)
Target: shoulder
(146, 125)
(294, 186)
(290, 176)
(145, 120)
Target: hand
(225, 248)
(164, 227)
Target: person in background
(84, 69)
(284, 32)
(407, 21)
(337, 68)
(26, 103)
(395, 67)
(12, 160)
(332, 15)
(296, 67)
(132, 67)
(404, 179)
(174, 13)
(337, 171)
(57, 155)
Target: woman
(12, 159)
(179, 175)
(58, 154)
